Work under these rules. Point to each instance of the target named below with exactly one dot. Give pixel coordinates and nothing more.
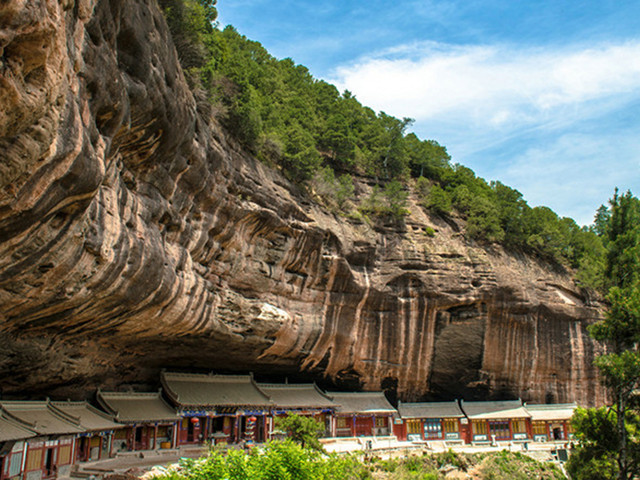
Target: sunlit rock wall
(136, 235)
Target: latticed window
(413, 427)
(15, 464)
(432, 429)
(64, 455)
(450, 425)
(500, 429)
(519, 426)
(34, 460)
(479, 427)
(341, 422)
(539, 428)
(381, 422)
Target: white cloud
(576, 173)
(493, 86)
(559, 125)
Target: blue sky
(542, 95)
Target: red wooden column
(235, 429)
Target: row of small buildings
(43, 439)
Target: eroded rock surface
(136, 235)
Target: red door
(364, 426)
(465, 432)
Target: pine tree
(610, 437)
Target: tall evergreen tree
(610, 436)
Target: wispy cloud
(492, 86)
(559, 124)
(576, 172)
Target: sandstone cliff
(136, 235)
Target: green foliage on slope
(307, 128)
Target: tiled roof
(13, 429)
(361, 402)
(494, 409)
(137, 407)
(192, 389)
(558, 411)
(286, 395)
(91, 419)
(430, 410)
(42, 417)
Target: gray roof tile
(137, 407)
(202, 390)
(361, 402)
(286, 395)
(91, 419)
(42, 417)
(430, 410)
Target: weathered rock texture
(135, 235)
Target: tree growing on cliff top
(610, 437)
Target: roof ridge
(430, 403)
(286, 385)
(206, 376)
(67, 417)
(130, 394)
(85, 404)
(16, 420)
(355, 393)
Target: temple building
(150, 423)
(50, 452)
(551, 422)
(222, 408)
(96, 439)
(301, 399)
(430, 421)
(362, 414)
(496, 421)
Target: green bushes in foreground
(284, 460)
(289, 461)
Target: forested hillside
(320, 137)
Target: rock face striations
(136, 235)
